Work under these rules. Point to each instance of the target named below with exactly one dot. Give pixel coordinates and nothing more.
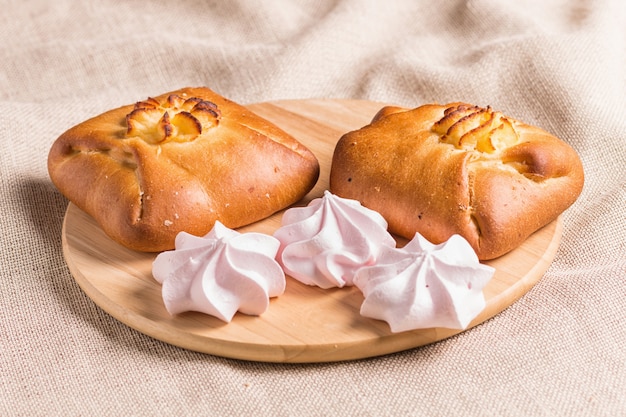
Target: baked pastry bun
(179, 162)
(458, 169)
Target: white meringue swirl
(221, 273)
(326, 242)
(423, 285)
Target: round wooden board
(305, 324)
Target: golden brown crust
(458, 169)
(145, 176)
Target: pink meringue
(221, 273)
(326, 242)
(423, 285)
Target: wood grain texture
(305, 324)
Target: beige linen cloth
(560, 350)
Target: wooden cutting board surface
(305, 324)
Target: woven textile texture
(557, 64)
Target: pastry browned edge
(440, 170)
(179, 162)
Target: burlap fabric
(560, 65)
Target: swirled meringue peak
(423, 285)
(221, 273)
(326, 242)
